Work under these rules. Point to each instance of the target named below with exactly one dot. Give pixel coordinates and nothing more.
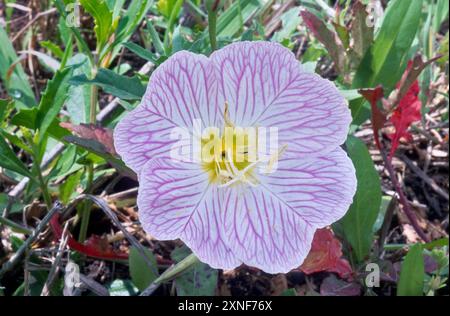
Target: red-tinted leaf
(406, 113)
(328, 38)
(332, 286)
(361, 32)
(94, 247)
(409, 77)
(87, 131)
(378, 118)
(325, 255)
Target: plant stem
(44, 188)
(93, 99)
(86, 212)
(212, 28)
(173, 16)
(41, 181)
(171, 273)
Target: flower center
(227, 159)
(233, 156)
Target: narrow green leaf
(412, 273)
(103, 19)
(78, 97)
(99, 150)
(27, 118)
(141, 52)
(53, 48)
(358, 223)
(9, 160)
(12, 75)
(386, 59)
(52, 100)
(127, 88)
(68, 188)
(141, 274)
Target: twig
(421, 174)
(55, 266)
(20, 252)
(121, 195)
(112, 216)
(402, 198)
(38, 16)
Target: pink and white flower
(265, 220)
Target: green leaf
(27, 118)
(9, 160)
(53, 48)
(127, 88)
(385, 201)
(16, 207)
(140, 272)
(5, 107)
(358, 223)
(386, 59)
(68, 188)
(438, 243)
(165, 7)
(199, 280)
(12, 75)
(440, 14)
(99, 149)
(141, 52)
(52, 100)
(78, 98)
(289, 292)
(128, 23)
(103, 19)
(412, 273)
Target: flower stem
(86, 212)
(212, 28)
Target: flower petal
(271, 226)
(181, 90)
(264, 86)
(321, 189)
(176, 200)
(264, 231)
